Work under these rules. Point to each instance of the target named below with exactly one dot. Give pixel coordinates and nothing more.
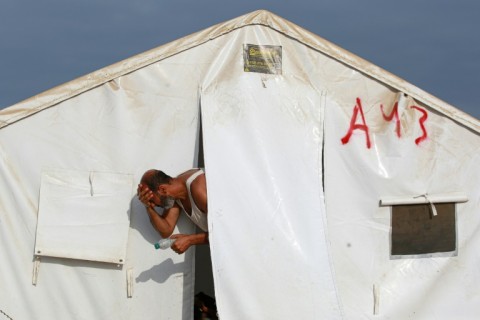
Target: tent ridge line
(262, 18)
(377, 73)
(97, 81)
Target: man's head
(157, 181)
(154, 178)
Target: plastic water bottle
(164, 243)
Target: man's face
(162, 199)
(167, 202)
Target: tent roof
(75, 87)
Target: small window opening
(417, 230)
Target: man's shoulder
(198, 185)
(187, 174)
(198, 190)
(199, 180)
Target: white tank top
(197, 216)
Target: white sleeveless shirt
(197, 216)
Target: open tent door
(263, 155)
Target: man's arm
(164, 223)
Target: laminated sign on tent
(335, 189)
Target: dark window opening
(416, 230)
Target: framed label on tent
(84, 215)
(262, 58)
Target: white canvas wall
(357, 177)
(127, 126)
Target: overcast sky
(434, 44)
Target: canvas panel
(127, 126)
(421, 154)
(263, 159)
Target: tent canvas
(304, 144)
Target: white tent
(336, 190)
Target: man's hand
(145, 196)
(182, 243)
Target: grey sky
(434, 44)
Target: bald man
(187, 192)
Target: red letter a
(354, 125)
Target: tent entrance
(203, 261)
(203, 271)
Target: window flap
(84, 215)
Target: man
(187, 192)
